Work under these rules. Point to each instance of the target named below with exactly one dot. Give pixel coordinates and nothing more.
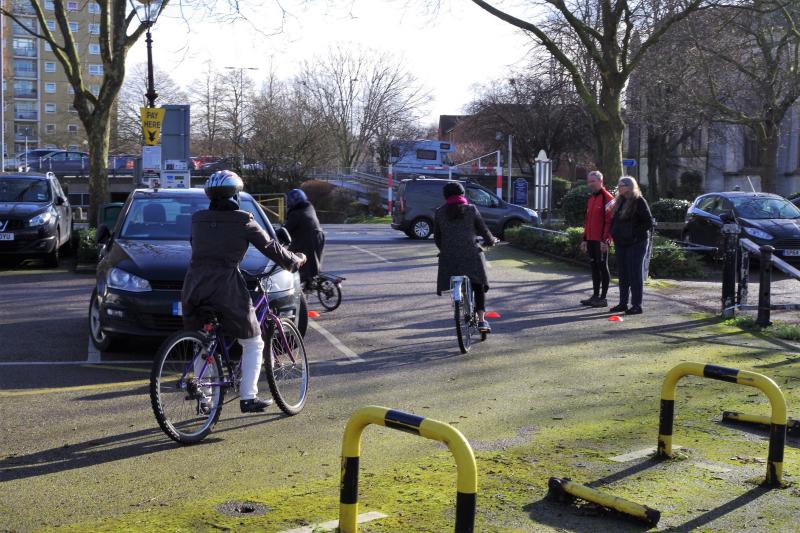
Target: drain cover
(242, 509)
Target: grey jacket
(459, 254)
(219, 243)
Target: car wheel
(102, 341)
(54, 258)
(421, 228)
(302, 317)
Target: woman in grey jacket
(456, 226)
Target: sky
(451, 52)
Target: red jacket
(597, 224)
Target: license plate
(792, 253)
(6, 236)
(177, 309)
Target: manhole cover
(242, 509)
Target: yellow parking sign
(152, 118)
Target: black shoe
(599, 302)
(621, 308)
(484, 327)
(256, 405)
(589, 301)
(635, 310)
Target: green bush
(573, 206)
(670, 210)
(87, 246)
(669, 260)
(560, 189)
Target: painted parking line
(99, 364)
(373, 254)
(333, 524)
(352, 357)
(76, 388)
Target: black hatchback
(144, 261)
(764, 219)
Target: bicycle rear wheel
(462, 318)
(287, 367)
(329, 294)
(185, 388)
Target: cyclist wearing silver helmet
(220, 238)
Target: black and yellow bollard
(792, 424)
(778, 420)
(566, 489)
(466, 469)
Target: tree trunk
(98, 139)
(768, 139)
(608, 131)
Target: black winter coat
(633, 229)
(459, 254)
(219, 243)
(307, 238)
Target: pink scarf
(456, 199)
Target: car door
(699, 228)
(74, 164)
(55, 163)
(489, 206)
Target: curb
(85, 268)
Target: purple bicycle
(194, 370)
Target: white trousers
(252, 350)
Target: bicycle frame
(455, 286)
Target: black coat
(459, 254)
(307, 238)
(633, 229)
(219, 243)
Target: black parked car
(35, 217)
(144, 261)
(764, 219)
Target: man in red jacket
(597, 237)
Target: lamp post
(147, 11)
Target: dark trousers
(630, 264)
(600, 274)
(479, 297)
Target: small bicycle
(466, 317)
(194, 370)
(328, 289)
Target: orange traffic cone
(615, 318)
(492, 314)
(313, 314)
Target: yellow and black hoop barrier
(792, 424)
(467, 471)
(564, 489)
(778, 420)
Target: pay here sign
(152, 119)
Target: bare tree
(358, 93)
(591, 37)
(750, 71)
(132, 98)
(235, 113)
(206, 95)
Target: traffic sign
(152, 119)
(628, 162)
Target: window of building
(50, 128)
(96, 70)
(51, 25)
(26, 111)
(49, 108)
(50, 87)
(24, 89)
(49, 66)
(94, 29)
(73, 27)
(25, 68)
(24, 47)
(94, 49)
(70, 89)
(18, 29)
(25, 131)
(47, 47)
(48, 5)
(72, 6)
(752, 156)
(93, 7)
(94, 89)
(72, 128)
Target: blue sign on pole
(628, 162)
(520, 191)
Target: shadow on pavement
(745, 499)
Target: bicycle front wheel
(462, 317)
(186, 389)
(329, 294)
(287, 367)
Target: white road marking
(84, 363)
(93, 354)
(333, 524)
(373, 254)
(350, 354)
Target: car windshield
(764, 208)
(170, 218)
(34, 190)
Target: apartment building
(38, 97)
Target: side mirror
(60, 200)
(283, 236)
(103, 234)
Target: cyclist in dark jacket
(630, 229)
(307, 236)
(220, 238)
(456, 226)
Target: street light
(147, 11)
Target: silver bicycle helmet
(223, 184)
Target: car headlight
(531, 212)
(125, 281)
(41, 219)
(282, 281)
(758, 234)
